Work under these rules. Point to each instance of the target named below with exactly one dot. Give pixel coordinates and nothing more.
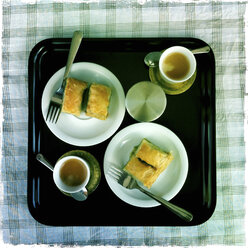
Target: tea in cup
(71, 174)
(177, 64)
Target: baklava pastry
(153, 155)
(98, 101)
(144, 173)
(73, 96)
(147, 162)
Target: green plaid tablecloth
(220, 24)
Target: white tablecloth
(220, 24)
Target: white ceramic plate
(86, 131)
(170, 181)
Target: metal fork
(124, 179)
(55, 105)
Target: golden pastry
(73, 96)
(147, 162)
(98, 101)
(153, 155)
(146, 174)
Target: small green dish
(95, 171)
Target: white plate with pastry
(140, 149)
(102, 94)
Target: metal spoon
(152, 59)
(79, 196)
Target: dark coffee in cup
(73, 172)
(176, 66)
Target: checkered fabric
(220, 24)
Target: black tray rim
(37, 50)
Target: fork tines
(114, 173)
(53, 112)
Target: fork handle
(182, 213)
(75, 43)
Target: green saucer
(95, 171)
(169, 88)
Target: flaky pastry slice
(98, 101)
(147, 162)
(153, 155)
(73, 96)
(140, 171)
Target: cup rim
(58, 182)
(186, 52)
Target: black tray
(190, 115)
